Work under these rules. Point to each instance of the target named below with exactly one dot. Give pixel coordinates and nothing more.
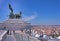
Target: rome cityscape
(29, 20)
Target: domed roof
(15, 24)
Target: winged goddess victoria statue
(12, 15)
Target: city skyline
(33, 11)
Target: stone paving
(10, 38)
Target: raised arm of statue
(10, 8)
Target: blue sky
(43, 12)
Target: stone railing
(3, 36)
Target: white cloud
(29, 18)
